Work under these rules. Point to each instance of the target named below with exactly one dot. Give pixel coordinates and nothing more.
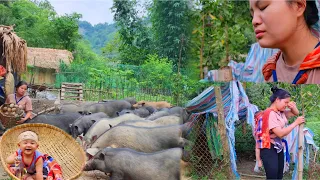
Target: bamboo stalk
(201, 49)
(250, 175)
(301, 142)
(46, 110)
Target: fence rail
(92, 94)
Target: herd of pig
(127, 139)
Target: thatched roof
(13, 50)
(48, 58)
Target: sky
(93, 11)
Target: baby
(27, 157)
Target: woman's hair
(278, 93)
(21, 83)
(311, 13)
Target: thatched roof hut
(48, 58)
(44, 63)
(13, 50)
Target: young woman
(273, 129)
(287, 25)
(22, 100)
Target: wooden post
(223, 75)
(301, 142)
(223, 131)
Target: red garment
(3, 71)
(311, 61)
(262, 131)
(55, 169)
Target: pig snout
(89, 166)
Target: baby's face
(28, 146)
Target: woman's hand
(293, 110)
(292, 105)
(22, 120)
(299, 120)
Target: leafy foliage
(39, 25)
(226, 29)
(66, 28)
(135, 37)
(171, 29)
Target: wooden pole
(301, 141)
(222, 131)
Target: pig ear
(92, 151)
(101, 156)
(110, 125)
(80, 137)
(94, 138)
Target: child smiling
(31, 159)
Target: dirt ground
(245, 167)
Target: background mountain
(98, 35)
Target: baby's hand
(17, 160)
(58, 176)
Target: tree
(6, 17)
(6, 2)
(172, 29)
(32, 23)
(136, 41)
(66, 28)
(226, 30)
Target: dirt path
(245, 168)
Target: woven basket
(53, 141)
(9, 121)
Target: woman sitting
(23, 101)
